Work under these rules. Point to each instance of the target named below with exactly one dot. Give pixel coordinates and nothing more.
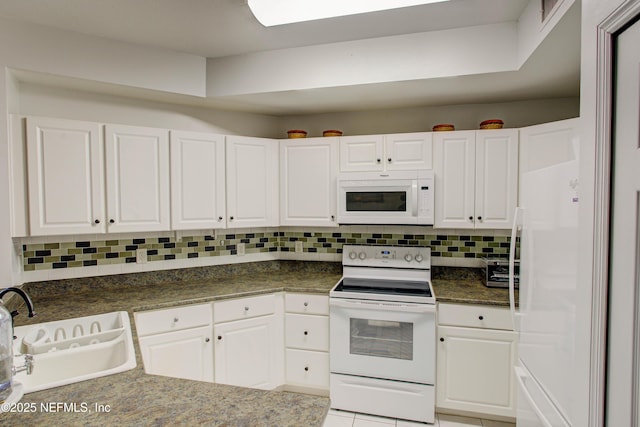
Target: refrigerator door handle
(515, 316)
(520, 375)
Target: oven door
(388, 340)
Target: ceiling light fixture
(278, 12)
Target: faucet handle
(28, 365)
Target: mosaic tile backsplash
(82, 253)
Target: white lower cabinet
(308, 369)
(249, 346)
(243, 341)
(476, 355)
(176, 342)
(307, 342)
(183, 354)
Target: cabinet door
(475, 370)
(454, 169)
(252, 182)
(137, 178)
(65, 177)
(197, 181)
(249, 353)
(496, 178)
(308, 182)
(409, 151)
(182, 354)
(361, 153)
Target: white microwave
(397, 197)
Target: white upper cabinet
(137, 160)
(402, 151)
(308, 172)
(197, 181)
(496, 178)
(361, 153)
(454, 156)
(476, 178)
(252, 182)
(409, 151)
(65, 177)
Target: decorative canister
(332, 132)
(443, 127)
(492, 124)
(297, 133)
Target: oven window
(381, 338)
(376, 201)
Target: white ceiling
(217, 28)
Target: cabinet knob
(219, 218)
(306, 304)
(378, 160)
(97, 221)
(389, 159)
(441, 339)
(230, 218)
(333, 218)
(219, 337)
(306, 332)
(471, 218)
(246, 309)
(479, 218)
(207, 340)
(480, 317)
(112, 221)
(175, 320)
(306, 368)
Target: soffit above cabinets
(310, 68)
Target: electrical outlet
(141, 256)
(240, 248)
(298, 246)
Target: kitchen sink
(73, 350)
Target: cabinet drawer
(307, 332)
(307, 304)
(172, 319)
(475, 316)
(308, 368)
(243, 308)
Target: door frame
(606, 32)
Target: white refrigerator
(547, 222)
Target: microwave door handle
(414, 198)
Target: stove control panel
(386, 256)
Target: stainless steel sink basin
(73, 350)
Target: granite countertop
(135, 398)
(459, 285)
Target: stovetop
(386, 273)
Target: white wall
(419, 119)
(532, 31)
(41, 100)
(456, 52)
(57, 52)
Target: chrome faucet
(28, 365)
(26, 299)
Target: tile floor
(349, 419)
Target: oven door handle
(383, 305)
